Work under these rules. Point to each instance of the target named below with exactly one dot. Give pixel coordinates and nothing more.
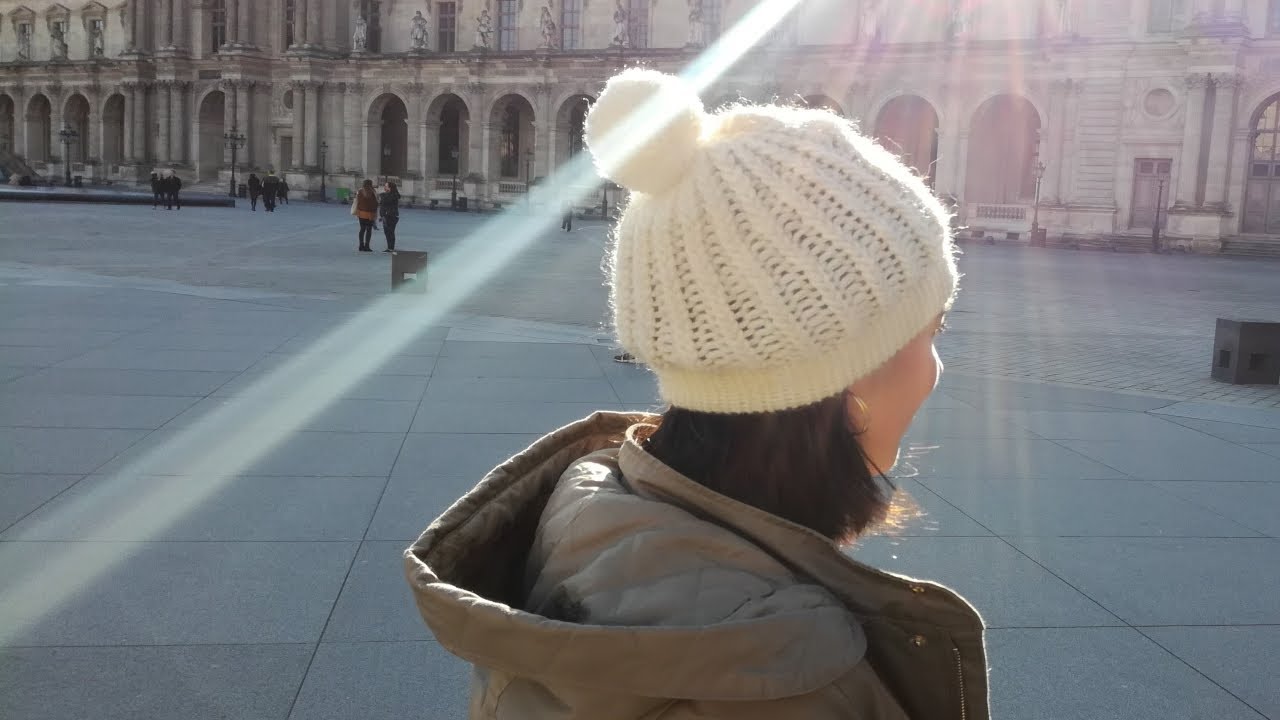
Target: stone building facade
(1115, 114)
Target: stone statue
(360, 38)
(869, 21)
(96, 48)
(484, 29)
(548, 27)
(58, 41)
(697, 24)
(24, 42)
(621, 36)
(418, 33)
(960, 19)
(1064, 18)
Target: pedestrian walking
(365, 207)
(255, 191)
(175, 189)
(156, 191)
(284, 191)
(694, 563)
(566, 222)
(270, 191)
(389, 211)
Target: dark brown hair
(804, 465)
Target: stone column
(1067, 168)
(1051, 148)
(228, 118)
(312, 123)
(233, 26)
(486, 140)
(20, 121)
(130, 117)
(244, 33)
(299, 88)
(178, 118)
(1188, 186)
(56, 122)
(244, 119)
(140, 122)
(299, 24)
(166, 24)
(181, 23)
(131, 25)
(352, 143)
(164, 102)
(93, 143)
(431, 150)
(1226, 97)
(315, 33)
(413, 129)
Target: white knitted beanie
(768, 256)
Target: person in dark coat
(270, 190)
(155, 191)
(566, 222)
(174, 188)
(389, 209)
(284, 191)
(255, 189)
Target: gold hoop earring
(865, 410)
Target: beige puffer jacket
(585, 579)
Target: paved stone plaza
(1117, 527)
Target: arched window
(1273, 18)
(571, 24)
(508, 24)
(217, 24)
(1262, 198)
(511, 141)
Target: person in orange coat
(366, 210)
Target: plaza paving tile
(1180, 458)
(1233, 432)
(918, 511)
(239, 508)
(128, 358)
(1108, 425)
(62, 450)
(1169, 581)
(27, 356)
(207, 682)
(90, 411)
(383, 681)
(376, 604)
(1009, 589)
(1000, 457)
(1251, 504)
(301, 454)
(20, 494)
(342, 415)
(488, 390)
(1240, 659)
(176, 593)
(1065, 507)
(1098, 674)
(370, 387)
(513, 366)
(460, 416)
(961, 423)
(163, 383)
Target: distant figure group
(271, 189)
(166, 190)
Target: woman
(366, 209)
(255, 190)
(389, 210)
(784, 277)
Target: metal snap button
(919, 641)
(917, 589)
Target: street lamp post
(453, 195)
(1038, 171)
(324, 150)
(235, 141)
(68, 137)
(1155, 226)
(528, 176)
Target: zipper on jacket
(964, 704)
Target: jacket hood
(468, 575)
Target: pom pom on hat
(644, 130)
